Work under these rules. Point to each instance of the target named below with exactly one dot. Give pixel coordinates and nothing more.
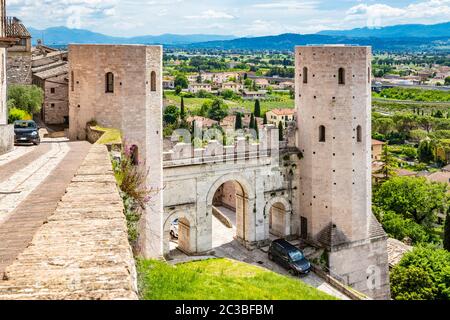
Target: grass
(219, 279)
(110, 136)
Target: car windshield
(24, 125)
(296, 256)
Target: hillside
(398, 31)
(61, 36)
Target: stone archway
(245, 202)
(278, 213)
(187, 232)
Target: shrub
(18, 114)
(28, 98)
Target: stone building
(105, 86)
(55, 84)
(333, 98)
(6, 40)
(19, 55)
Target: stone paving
(36, 190)
(82, 252)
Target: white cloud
(211, 14)
(288, 5)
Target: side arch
(287, 214)
(191, 242)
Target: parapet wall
(6, 138)
(82, 253)
(240, 150)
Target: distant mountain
(289, 40)
(61, 36)
(398, 31)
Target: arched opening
(341, 76)
(229, 209)
(305, 75)
(322, 134)
(359, 134)
(277, 220)
(109, 80)
(153, 81)
(178, 237)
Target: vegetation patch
(219, 279)
(110, 136)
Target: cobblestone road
(32, 181)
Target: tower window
(359, 134)
(153, 81)
(305, 75)
(341, 76)
(322, 134)
(72, 81)
(109, 79)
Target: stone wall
(18, 67)
(82, 252)
(6, 138)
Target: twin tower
(333, 101)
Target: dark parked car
(26, 132)
(290, 257)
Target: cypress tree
(265, 119)
(183, 111)
(252, 122)
(447, 232)
(257, 109)
(280, 131)
(238, 123)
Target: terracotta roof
(204, 121)
(283, 112)
(377, 143)
(15, 28)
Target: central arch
(244, 198)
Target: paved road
(32, 181)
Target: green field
(196, 103)
(219, 279)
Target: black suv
(26, 132)
(288, 256)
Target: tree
(178, 90)
(388, 164)
(425, 152)
(218, 110)
(252, 122)
(171, 115)
(447, 232)
(281, 131)
(265, 119)
(25, 97)
(257, 109)
(447, 81)
(238, 123)
(182, 81)
(183, 111)
(423, 273)
(413, 198)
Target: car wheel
(270, 257)
(293, 272)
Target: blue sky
(230, 17)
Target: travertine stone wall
(133, 107)
(83, 250)
(6, 138)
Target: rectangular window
(52, 90)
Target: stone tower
(333, 99)
(120, 86)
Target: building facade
(283, 116)
(104, 86)
(333, 98)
